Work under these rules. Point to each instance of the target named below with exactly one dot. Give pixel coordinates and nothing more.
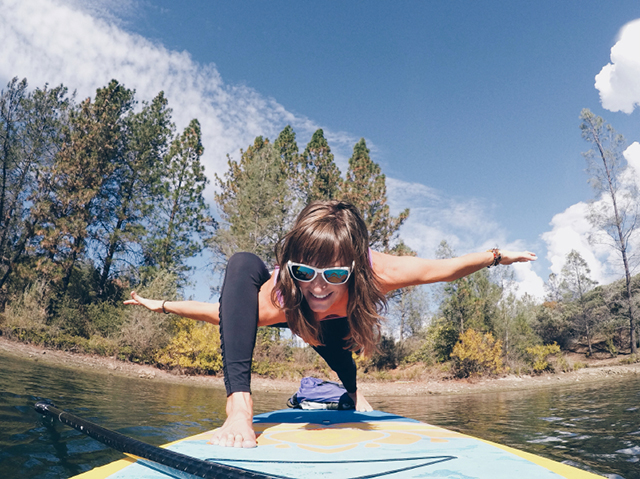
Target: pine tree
(134, 187)
(72, 197)
(29, 137)
(325, 182)
(297, 178)
(365, 187)
(253, 203)
(469, 302)
(575, 284)
(182, 224)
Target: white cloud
(619, 81)
(632, 155)
(571, 230)
(82, 46)
(466, 224)
(528, 281)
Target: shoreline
(597, 371)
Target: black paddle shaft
(125, 444)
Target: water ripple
(588, 426)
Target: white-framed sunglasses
(334, 275)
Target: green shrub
(420, 352)
(444, 337)
(25, 318)
(70, 317)
(143, 332)
(68, 342)
(105, 318)
(387, 355)
(631, 359)
(101, 346)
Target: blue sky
(471, 108)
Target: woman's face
(323, 297)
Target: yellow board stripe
(564, 470)
(103, 472)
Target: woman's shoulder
(382, 264)
(394, 272)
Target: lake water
(594, 426)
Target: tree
(615, 210)
(469, 302)
(182, 224)
(409, 308)
(504, 305)
(365, 187)
(253, 202)
(297, 180)
(71, 197)
(575, 284)
(134, 188)
(29, 138)
(323, 174)
(552, 287)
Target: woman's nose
(318, 282)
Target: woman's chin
(319, 305)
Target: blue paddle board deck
(296, 443)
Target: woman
(329, 288)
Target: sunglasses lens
(336, 276)
(302, 273)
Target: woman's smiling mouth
(320, 297)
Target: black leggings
(245, 274)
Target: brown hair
(326, 232)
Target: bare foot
(362, 405)
(237, 430)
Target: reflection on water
(590, 426)
(593, 426)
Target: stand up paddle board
(311, 444)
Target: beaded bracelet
(164, 310)
(497, 257)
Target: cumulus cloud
(468, 225)
(632, 155)
(619, 85)
(464, 223)
(83, 46)
(571, 230)
(619, 81)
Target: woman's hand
(187, 309)
(510, 257)
(362, 405)
(151, 304)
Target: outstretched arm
(210, 312)
(196, 310)
(400, 271)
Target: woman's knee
(247, 266)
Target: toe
(248, 443)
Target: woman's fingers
(509, 257)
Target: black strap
(165, 457)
